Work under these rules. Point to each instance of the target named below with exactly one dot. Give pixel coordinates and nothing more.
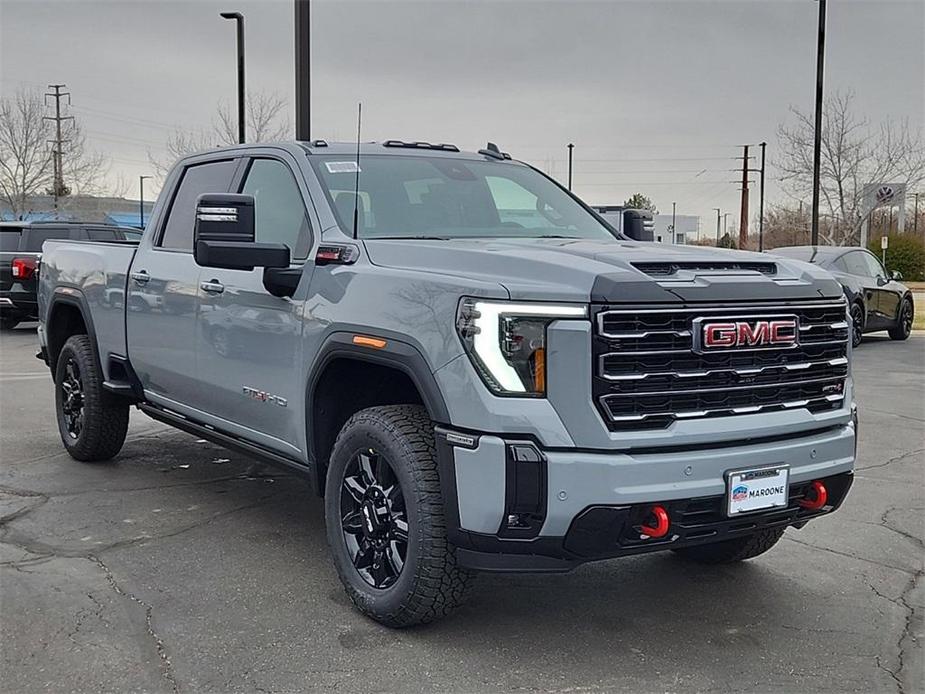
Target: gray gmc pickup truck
(475, 370)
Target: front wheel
(385, 521)
(92, 422)
(730, 551)
(903, 327)
(857, 324)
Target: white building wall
(688, 227)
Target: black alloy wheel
(72, 405)
(904, 326)
(857, 324)
(374, 519)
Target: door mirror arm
(281, 282)
(881, 280)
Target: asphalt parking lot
(182, 567)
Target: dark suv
(21, 253)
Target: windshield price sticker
(336, 167)
(755, 490)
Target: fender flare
(396, 354)
(69, 296)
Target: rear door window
(35, 237)
(211, 177)
(856, 264)
(9, 240)
(102, 234)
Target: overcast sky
(657, 95)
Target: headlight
(507, 342)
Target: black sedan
(878, 301)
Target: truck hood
(620, 271)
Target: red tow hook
(660, 529)
(815, 497)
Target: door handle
(212, 286)
(141, 277)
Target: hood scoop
(667, 269)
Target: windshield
(441, 197)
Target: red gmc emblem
(735, 334)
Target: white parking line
(25, 376)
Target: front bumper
(577, 506)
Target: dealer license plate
(757, 489)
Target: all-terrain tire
(430, 584)
(103, 416)
(904, 325)
(730, 551)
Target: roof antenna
(356, 184)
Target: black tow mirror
(223, 236)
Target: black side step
(222, 439)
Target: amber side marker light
(365, 341)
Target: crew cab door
(163, 292)
(249, 342)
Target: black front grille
(647, 373)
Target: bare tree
(853, 154)
(26, 162)
(26, 165)
(265, 118)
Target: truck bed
(94, 273)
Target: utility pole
(59, 190)
(239, 22)
(141, 201)
(725, 219)
(817, 139)
(763, 146)
(303, 61)
(743, 215)
(570, 148)
(717, 210)
(674, 229)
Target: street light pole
(303, 93)
(717, 210)
(570, 148)
(239, 21)
(817, 139)
(763, 146)
(674, 229)
(141, 201)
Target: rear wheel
(857, 324)
(92, 423)
(904, 326)
(385, 522)
(730, 551)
